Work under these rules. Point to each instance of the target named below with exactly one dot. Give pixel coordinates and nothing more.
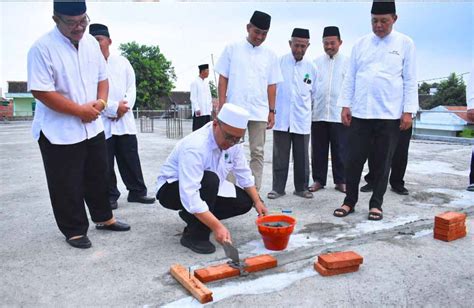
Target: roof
(462, 115)
(178, 97)
(17, 87)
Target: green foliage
(451, 92)
(467, 133)
(155, 75)
(213, 89)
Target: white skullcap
(234, 116)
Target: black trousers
(76, 173)
(399, 161)
(282, 143)
(125, 150)
(199, 122)
(221, 207)
(322, 134)
(471, 174)
(379, 136)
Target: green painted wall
(23, 107)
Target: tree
(155, 75)
(451, 92)
(213, 89)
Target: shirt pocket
(392, 63)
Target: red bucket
(276, 237)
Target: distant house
(23, 101)
(6, 107)
(442, 121)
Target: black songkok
(70, 8)
(331, 31)
(261, 20)
(301, 33)
(203, 67)
(383, 7)
(99, 29)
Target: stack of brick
(338, 263)
(450, 226)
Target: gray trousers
(282, 143)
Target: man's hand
(261, 208)
(271, 120)
(405, 121)
(346, 116)
(89, 112)
(221, 234)
(198, 113)
(470, 115)
(122, 109)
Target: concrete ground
(403, 264)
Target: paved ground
(403, 264)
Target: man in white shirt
(192, 180)
(379, 97)
(201, 98)
(248, 74)
(326, 126)
(119, 123)
(470, 115)
(293, 120)
(67, 77)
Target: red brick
(331, 272)
(222, 271)
(448, 218)
(450, 227)
(451, 232)
(449, 238)
(340, 259)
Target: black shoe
(400, 190)
(141, 199)
(81, 242)
(367, 188)
(113, 205)
(116, 226)
(198, 246)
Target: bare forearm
(253, 193)
(209, 220)
(271, 92)
(222, 90)
(57, 102)
(103, 90)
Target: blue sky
(188, 33)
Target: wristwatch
(272, 110)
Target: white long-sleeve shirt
(294, 95)
(121, 87)
(381, 78)
(470, 91)
(250, 71)
(55, 65)
(196, 153)
(201, 98)
(331, 72)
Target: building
(23, 101)
(447, 121)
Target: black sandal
(343, 212)
(375, 216)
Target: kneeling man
(192, 180)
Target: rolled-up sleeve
(190, 173)
(223, 64)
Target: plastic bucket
(275, 237)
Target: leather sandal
(375, 216)
(274, 195)
(304, 194)
(343, 212)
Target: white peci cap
(234, 116)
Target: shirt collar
(63, 38)
(377, 40)
(327, 57)
(250, 46)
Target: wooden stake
(191, 283)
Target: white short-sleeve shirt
(250, 71)
(55, 65)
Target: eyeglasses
(228, 137)
(84, 22)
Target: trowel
(232, 253)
